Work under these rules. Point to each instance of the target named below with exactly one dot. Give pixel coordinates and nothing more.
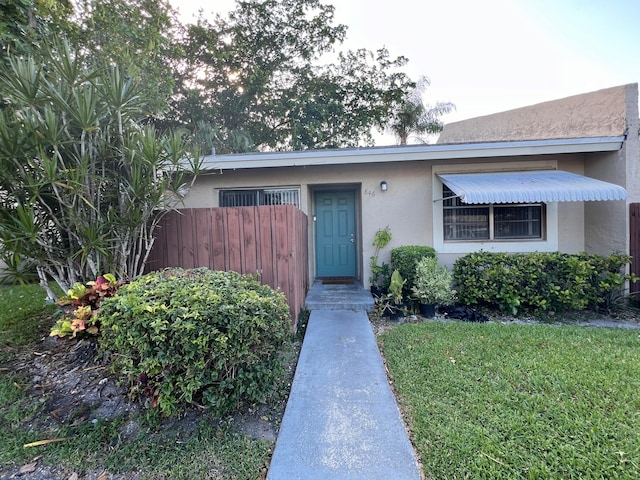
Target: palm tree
(413, 116)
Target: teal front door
(335, 234)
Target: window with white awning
(525, 187)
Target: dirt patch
(75, 386)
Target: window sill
(469, 246)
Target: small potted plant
(380, 274)
(433, 286)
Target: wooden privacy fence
(269, 240)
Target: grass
(519, 401)
(204, 451)
(24, 314)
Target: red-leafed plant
(81, 304)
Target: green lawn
(519, 401)
(156, 452)
(24, 314)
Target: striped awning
(542, 186)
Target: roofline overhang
(303, 158)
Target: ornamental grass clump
(197, 337)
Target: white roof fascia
(410, 153)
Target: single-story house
(557, 176)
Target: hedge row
(540, 282)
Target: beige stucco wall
(594, 114)
(571, 224)
(609, 229)
(408, 206)
(404, 207)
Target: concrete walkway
(342, 421)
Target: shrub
(405, 258)
(433, 283)
(184, 337)
(538, 282)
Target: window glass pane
(280, 197)
(450, 199)
(490, 222)
(238, 198)
(252, 198)
(466, 223)
(518, 221)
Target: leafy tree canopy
(266, 76)
(24, 23)
(136, 35)
(260, 71)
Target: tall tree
(24, 23)
(260, 71)
(82, 183)
(413, 117)
(136, 35)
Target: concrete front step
(338, 297)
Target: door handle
(353, 238)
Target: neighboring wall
(611, 230)
(594, 114)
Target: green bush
(434, 283)
(184, 337)
(405, 258)
(539, 282)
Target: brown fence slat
(186, 239)
(266, 250)
(218, 234)
(271, 240)
(249, 254)
(233, 243)
(172, 237)
(282, 252)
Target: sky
(488, 56)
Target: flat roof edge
(411, 153)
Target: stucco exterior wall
(408, 206)
(571, 215)
(594, 114)
(404, 207)
(608, 230)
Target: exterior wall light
(383, 186)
